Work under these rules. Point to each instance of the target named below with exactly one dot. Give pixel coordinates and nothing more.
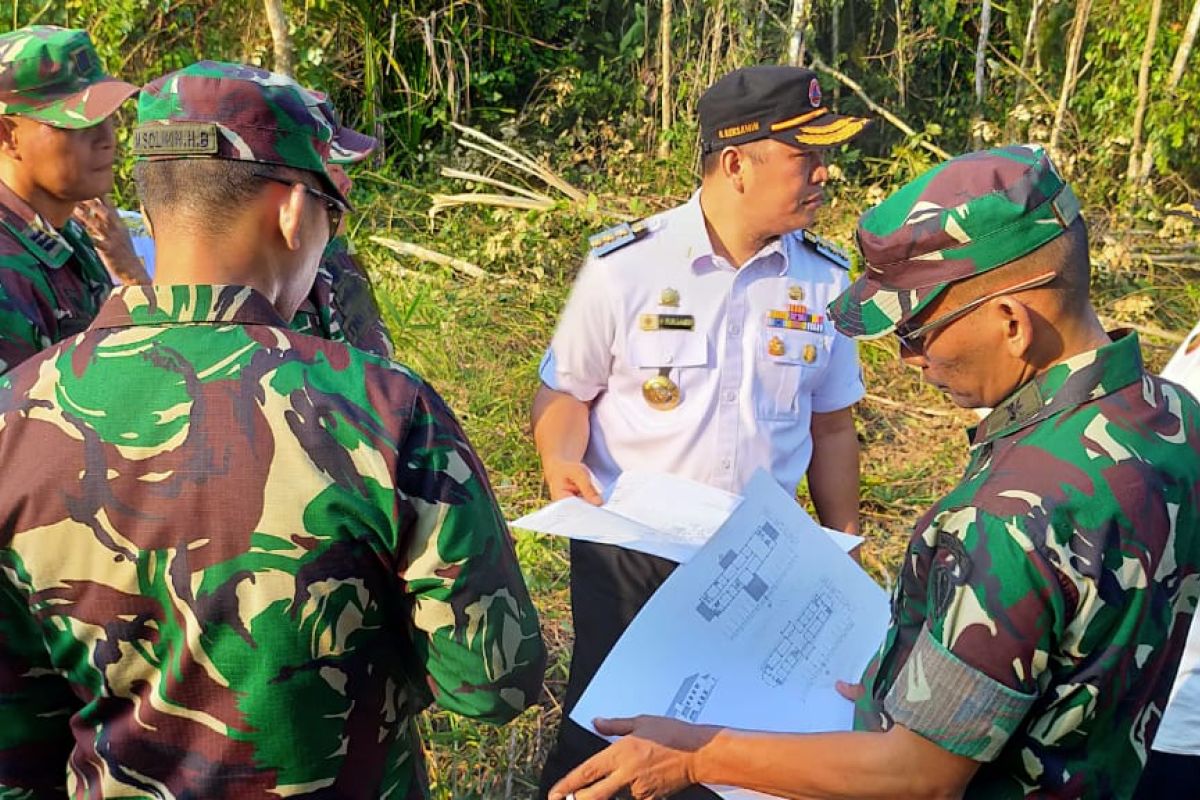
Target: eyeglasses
(913, 339)
(335, 208)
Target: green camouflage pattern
(348, 146)
(341, 306)
(1043, 604)
(52, 282)
(239, 560)
(54, 75)
(213, 109)
(964, 217)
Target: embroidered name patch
(739, 130)
(185, 139)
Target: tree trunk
(985, 24)
(796, 41)
(1030, 31)
(1185, 47)
(664, 41)
(1027, 48)
(1143, 93)
(901, 66)
(277, 21)
(1082, 9)
(835, 44)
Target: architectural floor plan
(752, 632)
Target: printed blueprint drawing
(745, 578)
(693, 693)
(752, 632)
(807, 642)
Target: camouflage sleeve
(20, 338)
(476, 630)
(355, 309)
(35, 707)
(996, 609)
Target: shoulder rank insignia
(616, 237)
(827, 249)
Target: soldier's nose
(911, 357)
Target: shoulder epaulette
(616, 237)
(827, 249)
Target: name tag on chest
(667, 322)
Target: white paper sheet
(663, 515)
(1184, 366)
(752, 632)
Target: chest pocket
(677, 354)
(787, 365)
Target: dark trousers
(609, 585)
(1168, 776)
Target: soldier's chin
(99, 182)
(959, 399)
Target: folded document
(663, 515)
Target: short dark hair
(751, 150)
(1066, 256)
(208, 190)
(1069, 256)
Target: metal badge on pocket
(660, 392)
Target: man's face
(67, 165)
(784, 185)
(966, 358)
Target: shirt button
(667, 358)
(726, 463)
(735, 330)
(730, 395)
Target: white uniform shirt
(1179, 732)
(747, 389)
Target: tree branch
(853, 85)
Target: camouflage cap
(53, 75)
(348, 145)
(212, 109)
(965, 216)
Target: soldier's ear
(8, 136)
(1016, 320)
(149, 226)
(291, 216)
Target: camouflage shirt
(52, 283)
(341, 306)
(239, 560)
(1043, 604)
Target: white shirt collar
(693, 235)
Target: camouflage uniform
(350, 564)
(341, 306)
(1043, 604)
(52, 282)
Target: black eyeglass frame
(334, 208)
(913, 339)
